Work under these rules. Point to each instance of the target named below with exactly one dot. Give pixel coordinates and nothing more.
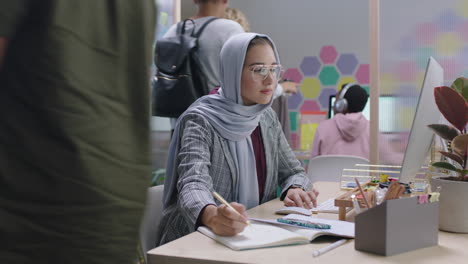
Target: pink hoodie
(349, 135)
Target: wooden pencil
(366, 203)
(221, 199)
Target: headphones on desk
(341, 104)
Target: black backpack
(180, 80)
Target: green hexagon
(328, 76)
(310, 88)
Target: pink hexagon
(426, 33)
(462, 31)
(293, 74)
(310, 105)
(452, 69)
(362, 74)
(328, 54)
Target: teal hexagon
(328, 75)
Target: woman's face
(255, 87)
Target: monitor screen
(427, 113)
(387, 113)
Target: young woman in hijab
(231, 143)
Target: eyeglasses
(261, 72)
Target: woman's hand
(298, 197)
(223, 220)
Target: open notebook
(270, 233)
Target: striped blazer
(205, 165)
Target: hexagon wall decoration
(310, 65)
(328, 54)
(328, 75)
(310, 88)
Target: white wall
(301, 27)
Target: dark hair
(356, 97)
(259, 41)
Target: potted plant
(453, 104)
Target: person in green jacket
(74, 135)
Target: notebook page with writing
(338, 228)
(257, 235)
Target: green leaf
(444, 131)
(453, 156)
(444, 165)
(459, 83)
(464, 172)
(452, 105)
(461, 86)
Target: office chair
(151, 219)
(330, 167)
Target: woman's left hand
(300, 198)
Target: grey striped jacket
(205, 164)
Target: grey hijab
(231, 120)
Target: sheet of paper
(257, 235)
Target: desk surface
(197, 248)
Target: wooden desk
(197, 248)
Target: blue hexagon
(295, 100)
(324, 97)
(310, 65)
(347, 63)
(408, 45)
(448, 21)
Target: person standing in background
(74, 140)
(238, 16)
(212, 40)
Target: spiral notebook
(263, 233)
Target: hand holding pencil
(228, 219)
(221, 199)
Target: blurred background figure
(215, 34)
(74, 141)
(237, 15)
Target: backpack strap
(197, 35)
(181, 26)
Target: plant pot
(453, 209)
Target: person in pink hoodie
(347, 133)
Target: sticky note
(163, 18)
(307, 135)
(434, 197)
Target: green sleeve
(11, 14)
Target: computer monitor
(387, 118)
(421, 136)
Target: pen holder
(397, 226)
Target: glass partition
(410, 32)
